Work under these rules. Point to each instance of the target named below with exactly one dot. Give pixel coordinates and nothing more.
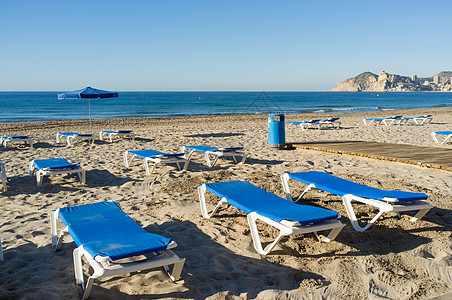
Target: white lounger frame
(285, 227)
(434, 136)
(307, 124)
(46, 172)
(386, 205)
(396, 120)
(3, 176)
(74, 137)
(104, 267)
(332, 124)
(17, 140)
(159, 159)
(423, 120)
(215, 155)
(121, 135)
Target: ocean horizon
(44, 106)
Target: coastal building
(413, 78)
(436, 79)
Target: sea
(43, 106)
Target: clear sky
(213, 45)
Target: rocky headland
(385, 82)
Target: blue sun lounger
(3, 176)
(156, 157)
(104, 234)
(215, 153)
(13, 139)
(448, 135)
(116, 133)
(386, 121)
(386, 201)
(305, 124)
(420, 120)
(289, 218)
(74, 136)
(330, 123)
(54, 166)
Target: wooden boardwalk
(430, 157)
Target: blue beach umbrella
(88, 93)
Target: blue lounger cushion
(204, 148)
(67, 133)
(151, 153)
(341, 187)
(444, 132)
(54, 163)
(376, 119)
(15, 137)
(73, 133)
(303, 122)
(104, 229)
(249, 198)
(116, 131)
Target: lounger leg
(420, 214)
(331, 236)
(88, 287)
(243, 159)
(78, 270)
(125, 159)
(68, 141)
(100, 135)
(285, 184)
(202, 202)
(111, 138)
(448, 137)
(256, 239)
(307, 189)
(146, 166)
(187, 157)
(434, 137)
(177, 270)
(57, 138)
(82, 176)
(39, 178)
(351, 214)
(207, 157)
(57, 238)
(31, 168)
(186, 165)
(215, 160)
(53, 228)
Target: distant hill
(445, 74)
(385, 82)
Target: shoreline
(312, 115)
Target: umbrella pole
(89, 110)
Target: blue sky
(217, 45)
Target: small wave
(348, 109)
(444, 105)
(359, 108)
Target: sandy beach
(394, 259)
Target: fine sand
(394, 259)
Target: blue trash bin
(276, 131)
